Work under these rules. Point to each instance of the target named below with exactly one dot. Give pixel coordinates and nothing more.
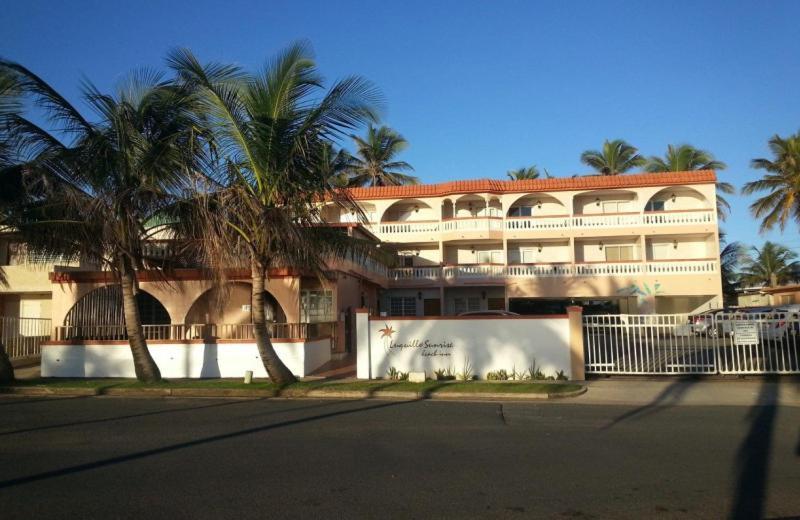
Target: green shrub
(466, 373)
(561, 376)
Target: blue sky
(480, 87)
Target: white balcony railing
(538, 223)
(478, 271)
(615, 220)
(670, 218)
(607, 221)
(681, 267)
(404, 228)
(473, 224)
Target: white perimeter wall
(489, 343)
(181, 360)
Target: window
(520, 211)
(484, 257)
(468, 304)
(614, 206)
(785, 299)
(408, 261)
(619, 253)
(403, 306)
(316, 306)
(654, 205)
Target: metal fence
(712, 343)
(22, 337)
(213, 331)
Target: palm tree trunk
(278, 372)
(6, 368)
(146, 368)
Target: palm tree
(374, 163)
(334, 165)
(531, 172)
(686, 158)
(616, 157)
(772, 265)
(90, 188)
(273, 129)
(782, 182)
(730, 259)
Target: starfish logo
(387, 331)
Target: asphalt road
(210, 458)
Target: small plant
(466, 373)
(392, 373)
(402, 376)
(443, 374)
(491, 376)
(533, 370)
(516, 376)
(561, 376)
(502, 375)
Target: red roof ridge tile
(499, 186)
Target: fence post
(576, 358)
(361, 341)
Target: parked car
(488, 313)
(711, 323)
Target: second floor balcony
(451, 273)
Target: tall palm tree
(616, 157)
(531, 172)
(781, 182)
(686, 158)
(334, 164)
(772, 265)
(730, 259)
(374, 162)
(272, 130)
(90, 188)
(9, 107)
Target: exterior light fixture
(674, 244)
(416, 208)
(417, 252)
(539, 204)
(540, 248)
(601, 246)
(597, 201)
(472, 250)
(673, 197)
(483, 295)
(419, 295)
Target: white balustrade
(473, 224)
(608, 268)
(681, 267)
(415, 273)
(679, 217)
(537, 270)
(400, 228)
(537, 223)
(610, 220)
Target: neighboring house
(29, 290)
(769, 296)
(630, 243)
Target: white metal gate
(713, 343)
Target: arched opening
(334, 213)
(536, 204)
(232, 306)
(409, 210)
(99, 314)
(677, 198)
(475, 206)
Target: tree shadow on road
(157, 412)
(670, 396)
(189, 444)
(752, 458)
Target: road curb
(316, 394)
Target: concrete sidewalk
(781, 390)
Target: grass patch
(303, 387)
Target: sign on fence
(745, 333)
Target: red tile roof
(496, 186)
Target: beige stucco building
(637, 243)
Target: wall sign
(424, 346)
